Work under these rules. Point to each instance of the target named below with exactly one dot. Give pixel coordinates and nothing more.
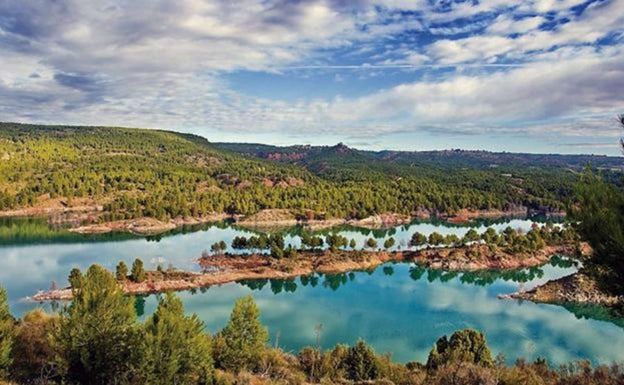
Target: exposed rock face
(271, 215)
(578, 287)
(383, 220)
(480, 257)
(146, 226)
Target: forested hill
(163, 174)
(310, 156)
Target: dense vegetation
(510, 240)
(534, 180)
(163, 175)
(97, 341)
(599, 219)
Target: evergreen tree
(361, 363)
(138, 272)
(388, 243)
(599, 219)
(306, 239)
(371, 243)
(436, 239)
(218, 247)
(290, 252)
(243, 338)
(335, 242)
(7, 326)
(471, 236)
(276, 251)
(451, 240)
(490, 236)
(97, 332)
(466, 345)
(176, 349)
(316, 243)
(121, 272)
(418, 239)
(276, 245)
(240, 243)
(352, 244)
(75, 278)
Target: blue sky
(530, 76)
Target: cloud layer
(545, 68)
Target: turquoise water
(398, 308)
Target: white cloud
(587, 86)
(505, 24)
(160, 64)
(544, 6)
(595, 23)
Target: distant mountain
(309, 155)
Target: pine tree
(7, 329)
(471, 236)
(75, 278)
(121, 272)
(176, 349)
(243, 338)
(97, 333)
(361, 363)
(436, 238)
(138, 272)
(276, 245)
(335, 242)
(466, 345)
(599, 219)
(418, 239)
(218, 247)
(451, 240)
(388, 243)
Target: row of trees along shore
(96, 340)
(510, 240)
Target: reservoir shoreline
(222, 269)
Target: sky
(518, 76)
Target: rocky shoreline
(146, 226)
(221, 269)
(269, 219)
(575, 288)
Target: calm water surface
(398, 308)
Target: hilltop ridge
(113, 173)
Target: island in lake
(339, 239)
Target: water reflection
(398, 308)
(33, 231)
(560, 264)
(404, 313)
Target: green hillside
(163, 174)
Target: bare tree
(318, 330)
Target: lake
(398, 308)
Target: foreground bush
(97, 341)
